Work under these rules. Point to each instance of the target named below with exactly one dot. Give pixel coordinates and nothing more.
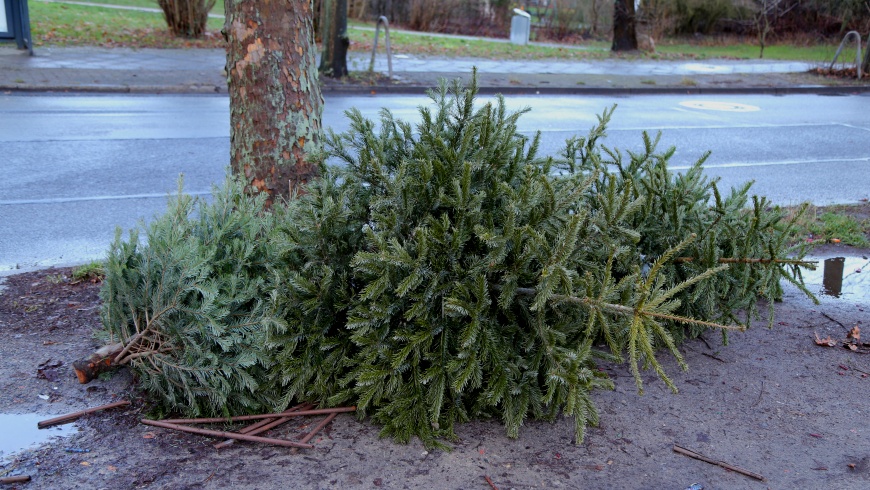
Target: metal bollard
(383, 19)
(858, 60)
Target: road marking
(583, 131)
(712, 105)
(61, 200)
(772, 163)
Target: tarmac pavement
(123, 70)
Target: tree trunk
(624, 26)
(333, 32)
(275, 99)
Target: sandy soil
(771, 402)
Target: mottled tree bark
(624, 26)
(275, 100)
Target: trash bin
(521, 25)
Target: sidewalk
(120, 70)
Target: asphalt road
(75, 167)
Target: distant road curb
(374, 90)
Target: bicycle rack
(840, 49)
(383, 20)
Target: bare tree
(767, 12)
(275, 100)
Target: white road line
(774, 163)
(61, 200)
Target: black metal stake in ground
(15, 23)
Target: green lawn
(421, 44)
(66, 24)
(749, 51)
(73, 25)
(217, 9)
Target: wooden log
(71, 417)
(226, 435)
(99, 362)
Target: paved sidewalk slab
(93, 69)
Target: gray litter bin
(521, 25)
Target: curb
(117, 89)
(373, 90)
(512, 90)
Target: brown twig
(8, 480)
(240, 418)
(71, 417)
(489, 480)
(264, 425)
(759, 394)
(829, 317)
(225, 435)
(323, 423)
(711, 356)
(693, 454)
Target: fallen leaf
(852, 347)
(148, 435)
(85, 463)
(835, 240)
(852, 465)
(855, 333)
(826, 342)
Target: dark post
(624, 26)
(15, 23)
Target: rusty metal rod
(727, 466)
(225, 435)
(240, 418)
(72, 417)
(323, 423)
(8, 480)
(264, 425)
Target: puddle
(840, 277)
(20, 432)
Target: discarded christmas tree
(189, 309)
(441, 273)
(447, 272)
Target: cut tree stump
(101, 361)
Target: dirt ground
(771, 401)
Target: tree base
(101, 361)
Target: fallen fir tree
(443, 272)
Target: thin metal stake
(858, 60)
(382, 20)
